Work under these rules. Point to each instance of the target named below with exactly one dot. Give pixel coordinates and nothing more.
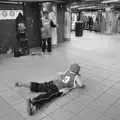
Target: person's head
(75, 68)
(20, 15)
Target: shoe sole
(29, 109)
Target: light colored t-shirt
(46, 29)
(21, 27)
(68, 81)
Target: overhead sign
(9, 14)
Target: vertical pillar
(118, 24)
(99, 16)
(60, 21)
(108, 20)
(114, 22)
(32, 19)
(67, 25)
(103, 24)
(53, 17)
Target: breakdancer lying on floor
(65, 82)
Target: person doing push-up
(59, 86)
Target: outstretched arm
(78, 82)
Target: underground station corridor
(86, 32)
(98, 56)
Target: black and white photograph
(59, 60)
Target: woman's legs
(49, 47)
(43, 45)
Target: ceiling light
(110, 1)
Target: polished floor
(99, 58)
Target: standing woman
(46, 30)
(20, 27)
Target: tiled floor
(99, 58)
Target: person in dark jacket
(20, 26)
(22, 47)
(90, 23)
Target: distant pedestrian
(90, 23)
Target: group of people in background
(87, 22)
(46, 31)
(99, 23)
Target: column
(32, 19)
(53, 17)
(60, 21)
(67, 25)
(99, 21)
(108, 20)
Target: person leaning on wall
(20, 27)
(46, 31)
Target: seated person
(61, 85)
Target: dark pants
(20, 35)
(50, 89)
(90, 27)
(22, 46)
(47, 44)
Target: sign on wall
(9, 14)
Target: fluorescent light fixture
(110, 1)
(87, 7)
(60, 1)
(10, 2)
(81, 5)
(75, 6)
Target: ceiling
(94, 4)
(75, 4)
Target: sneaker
(42, 53)
(33, 53)
(29, 107)
(38, 106)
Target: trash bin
(78, 28)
